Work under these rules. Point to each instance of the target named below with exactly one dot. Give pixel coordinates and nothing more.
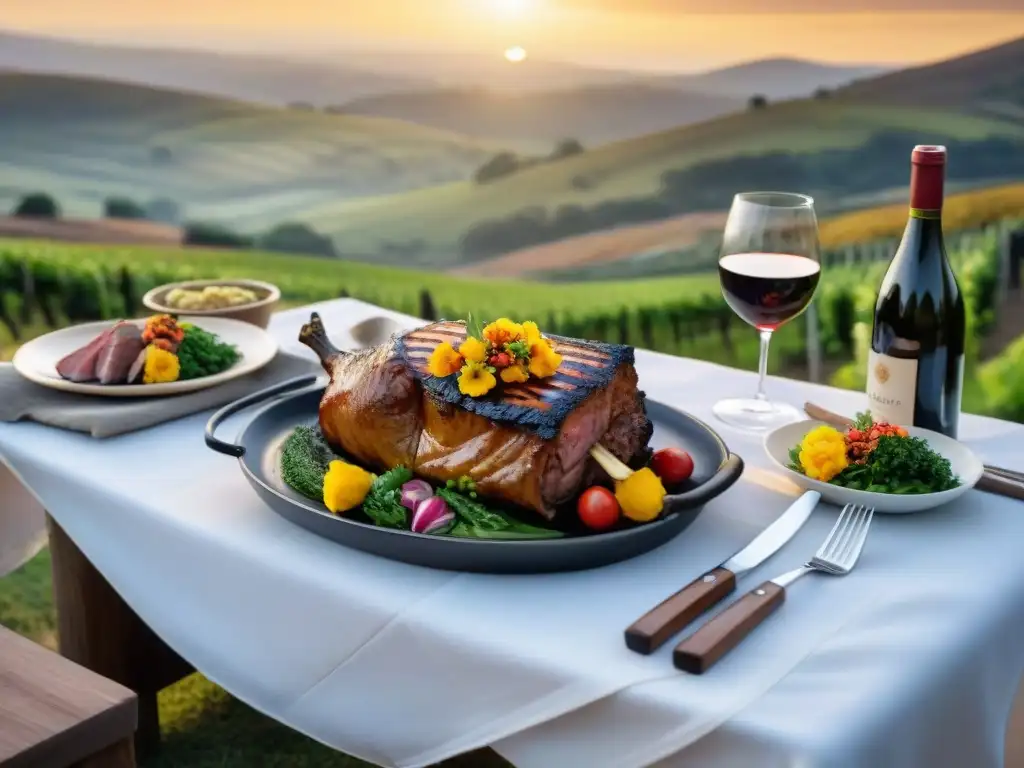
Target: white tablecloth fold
(911, 660)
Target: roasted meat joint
(526, 442)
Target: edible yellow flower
(514, 374)
(823, 453)
(444, 360)
(473, 350)
(641, 495)
(532, 332)
(161, 366)
(544, 361)
(476, 380)
(345, 486)
(503, 331)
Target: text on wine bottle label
(892, 387)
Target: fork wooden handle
(698, 653)
(650, 631)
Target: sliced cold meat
(119, 352)
(80, 365)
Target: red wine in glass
(768, 289)
(769, 269)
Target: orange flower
(514, 374)
(473, 350)
(544, 361)
(532, 332)
(444, 361)
(475, 380)
(502, 332)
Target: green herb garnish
(476, 521)
(383, 503)
(900, 465)
(201, 353)
(304, 459)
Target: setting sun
(515, 54)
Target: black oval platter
(258, 450)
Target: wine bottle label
(892, 388)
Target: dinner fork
(836, 557)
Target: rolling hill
(595, 114)
(262, 79)
(774, 78)
(431, 222)
(987, 79)
(798, 137)
(250, 166)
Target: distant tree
(37, 205)
(567, 148)
(502, 164)
(302, 106)
(123, 208)
(163, 209)
(757, 102)
(297, 238)
(335, 109)
(209, 233)
(823, 93)
(582, 182)
(161, 155)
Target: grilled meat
(526, 446)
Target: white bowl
(965, 465)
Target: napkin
(109, 416)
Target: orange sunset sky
(663, 34)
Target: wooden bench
(56, 714)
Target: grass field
(251, 166)
(437, 217)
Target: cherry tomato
(673, 465)
(598, 508)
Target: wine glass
(769, 269)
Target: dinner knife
(651, 630)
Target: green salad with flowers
(872, 456)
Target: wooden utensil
(1004, 482)
(836, 557)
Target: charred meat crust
(377, 411)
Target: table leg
(120, 755)
(98, 630)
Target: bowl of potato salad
(251, 301)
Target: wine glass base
(755, 415)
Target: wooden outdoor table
(98, 630)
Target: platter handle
(237, 451)
(728, 473)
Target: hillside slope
(987, 77)
(82, 140)
(265, 79)
(594, 115)
(431, 222)
(774, 78)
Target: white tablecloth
(912, 660)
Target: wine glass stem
(762, 366)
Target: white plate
(965, 465)
(37, 360)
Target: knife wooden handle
(650, 631)
(697, 653)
